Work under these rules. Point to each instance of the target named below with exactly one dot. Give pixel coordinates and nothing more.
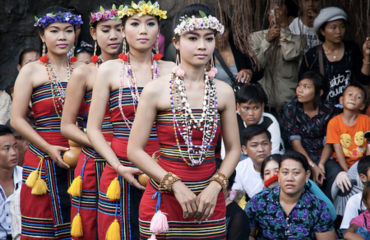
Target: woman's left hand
(206, 201)
(244, 76)
(366, 47)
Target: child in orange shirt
(346, 133)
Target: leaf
(202, 13)
(114, 7)
(120, 8)
(102, 9)
(36, 19)
(149, 3)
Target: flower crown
(189, 24)
(105, 15)
(49, 18)
(143, 8)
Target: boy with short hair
(256, 143)
(346, 133)
(251, 101)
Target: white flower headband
(189, 24)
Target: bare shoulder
(78, 64)
(84, 70)
(159, 84)
(224, 93)
(32, 72)
(165, 67)
(110, 67)
(223, 87)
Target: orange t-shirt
(350, 137)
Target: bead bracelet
(168, 180)
(221, 179)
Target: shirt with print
(311, 131)
(351, 138)
(339, 73)
(309, 216)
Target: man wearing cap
(341, 59)
(278, 52)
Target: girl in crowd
(188, 107)
(119, 83)
(287, 201)
(305, 120)
(107, 34)
(340, 59)
(359, 228)
(45, 203)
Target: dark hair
(192, 10)
(5, 130)
(273, 157)
(251, 92)
(363, 165)
(365, 193)
(252, 131)
(292, 7)
(320, 83)
(296, 156)
(232, 176)
(24, 52)
(322, 27)
(356, 85)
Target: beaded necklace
(132, 84)
(184, 117)
(57, 90)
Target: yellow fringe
(114, 190)
(31, 180)
(76, 187)
(40, 187)
(113, 232)
(76, 228)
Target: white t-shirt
(353, 208)
(298, 28)
(247, 178)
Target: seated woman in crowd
(306, 119)
(360, 227)
(269, 174)
(290, 210)
(340, 59)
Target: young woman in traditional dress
(189, 107)
(45, 203)
(106, 31)
(119, 83)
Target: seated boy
(354, 205)
(256, 143)
(346, 133)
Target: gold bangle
(168, 180)
(221, 179)
(367, 63)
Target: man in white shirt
(256, 142)
(304, 25)
(10, 179)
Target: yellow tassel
(31, 180)
(114, 190)
(76, 187)
(113, 232)
(40, 187)
(76, 229)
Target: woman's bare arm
(76, 91)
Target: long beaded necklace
(184, 117)
(57, 90)
(132, 84)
